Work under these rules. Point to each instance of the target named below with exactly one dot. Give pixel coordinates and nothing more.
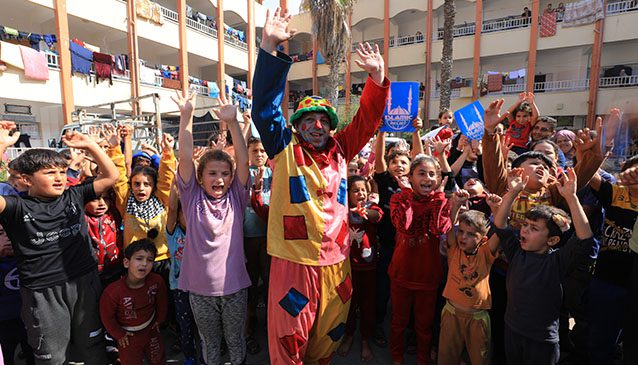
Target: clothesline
(7, 33)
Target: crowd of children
(480, 251)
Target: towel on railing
(548, 24)
(171, 83)
(582, 12)
(81, 59)
(10, 54)
(35, 64)
(149, 10)
(103, 67)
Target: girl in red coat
(420, 213)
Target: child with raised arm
(522, 117)
(537, 268)
(420, 214)
(49, 234)
(213, 270)
(133, 307)
(465, 322)
(142, 199)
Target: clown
(310, 283)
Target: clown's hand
(371, 61)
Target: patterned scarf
(146, 210)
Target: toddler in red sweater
(133, 307)
(421, 214)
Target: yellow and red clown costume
(310, 283)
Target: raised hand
(522, 97)
(275, 30)
(459, 198)
(515, 180)
(111, 134)
(225, 111)
(441, 145)
(125, 130)
(584, 141)
(6, 138)
(567, 184)
(185, 104)
(417, 123)
(149, 149)
(530, 97)
(168, 142)
(494, 202)
(492, 114)
(371, 61)
(373, 198)
(506, 146)
(198, 152)
(259, 178)
(361, 210)
(75, 139)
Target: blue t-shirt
(9, 289)
(253, 225)
(176, 249)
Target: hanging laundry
(11, 31)
(147, 75)
(92, 48)
(494, 82)
(582, 12)
(103, 67)
(512, 75)
(213, 90)
(81, 59)
(50, 39)
(156, 14)
(521, 72)
(35, 64)
(143, 9)
(10, 54)
(77, 41)
(171, 84)
(548, 24)
(35, 39)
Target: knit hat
(315, 104)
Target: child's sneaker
(366, 253)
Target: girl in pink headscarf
(565, 140)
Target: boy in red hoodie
(133, 307)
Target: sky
(293, 5)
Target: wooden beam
(386, 36)
(533, 44)
(594, 72)
(221, 67)
(478, 26)
(315, 80)
(250, 40)
(133, 54)
(62, 30)
(428, 64)
(348, 84)
(183, 48)
(285, 100)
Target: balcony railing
(460, 31)
(513, 88)
(504, 24)
(619, 81)
(620, 7)
(436, 94)
(172, 16)
(52, 60)
(560, 85)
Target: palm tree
(330, 28)
(449, 10)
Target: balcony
(621, 7)
(172, 16)
(53, 63)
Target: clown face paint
(314, 128)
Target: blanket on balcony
(583, 12)
(548, 25)
(81, 59)
(103, 67)
(35, 64)
(10, 54)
